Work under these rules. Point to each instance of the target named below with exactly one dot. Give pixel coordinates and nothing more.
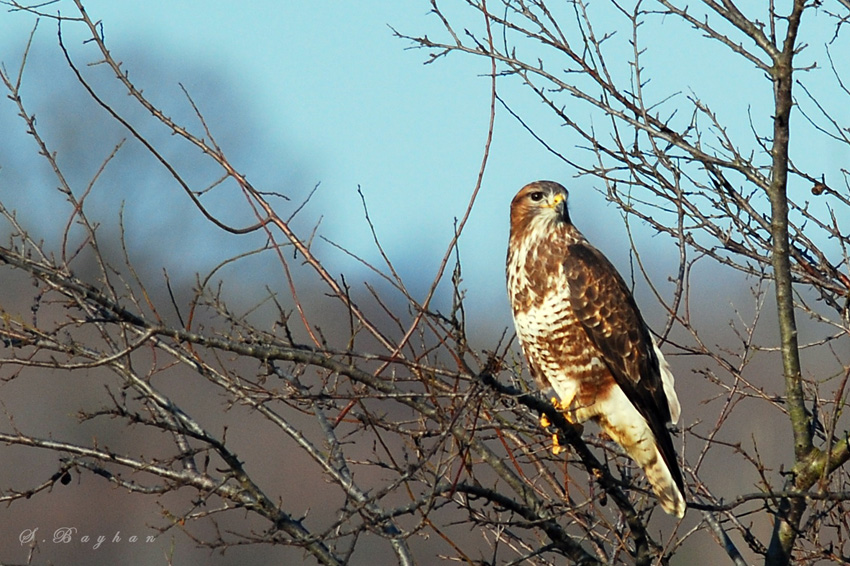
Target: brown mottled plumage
(584, 337)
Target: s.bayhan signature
(71, 535)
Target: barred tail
(662, 479)
(650, 446)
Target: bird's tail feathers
(652, 450)
(663, 484)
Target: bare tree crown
(424, 447)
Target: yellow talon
(546, 423)
(564, 408)
(556, 446)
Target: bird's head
(539, 202)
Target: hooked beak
(558, 203)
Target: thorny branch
(416, 431)
(690, 177)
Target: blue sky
(336, 97)
(320, 92)
(351, 105)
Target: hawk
(584, 337)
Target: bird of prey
(584, 337)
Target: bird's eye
(536, 196)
